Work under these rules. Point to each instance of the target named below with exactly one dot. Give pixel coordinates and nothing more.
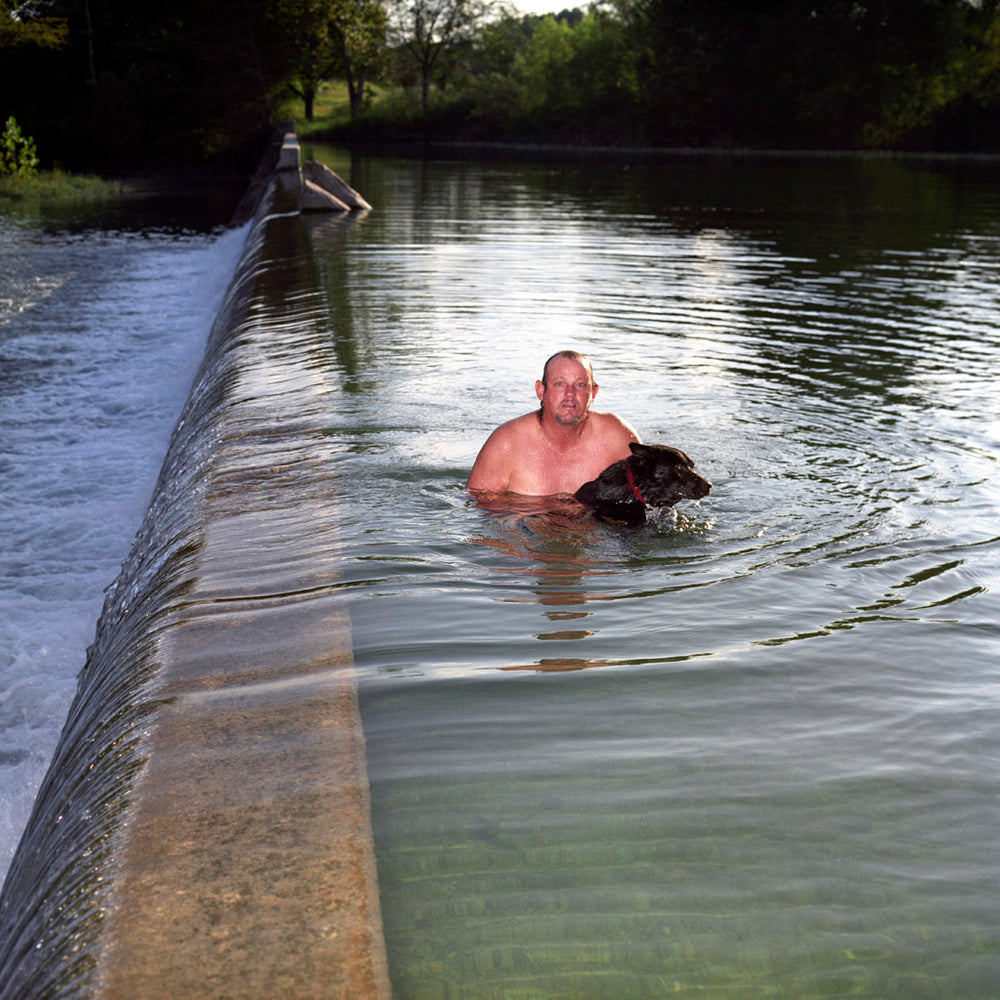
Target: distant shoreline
(337, 138)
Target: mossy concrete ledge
(204, 828)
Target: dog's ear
(637, 447)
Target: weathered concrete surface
(315, 199)
(290, 155)
(247, 868)
(324, 178)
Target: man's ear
(594, 392)
(539, 388)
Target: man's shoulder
(613, 425)
(518, 427)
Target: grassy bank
(331, 110)
(58, 186)
(394, 115)
(391, 114)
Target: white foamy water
(100, 336)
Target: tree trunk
(90, 56)
(357, 91)
(355, 85)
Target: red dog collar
(631, 482)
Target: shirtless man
(558, 447)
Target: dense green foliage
(333, 37)
(901, 74)
(137, 84)
(832, 72)
(18, 156)
(134, 84)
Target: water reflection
(568, 565)
(553, 549)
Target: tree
(544, 69)
(33, 49)
(360, 26)
(429, 29)
(325, 36)
(577, 78)
(30, 23)
(307, 24)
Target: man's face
(567, 391)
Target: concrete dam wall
(204, 830)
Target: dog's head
(665, 475)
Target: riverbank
(393, 123)
(521, 150)
(57, 185)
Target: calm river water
(747, 751)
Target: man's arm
(492, 469)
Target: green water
(749, 752)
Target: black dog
(653, 475)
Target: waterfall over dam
(203, 829)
